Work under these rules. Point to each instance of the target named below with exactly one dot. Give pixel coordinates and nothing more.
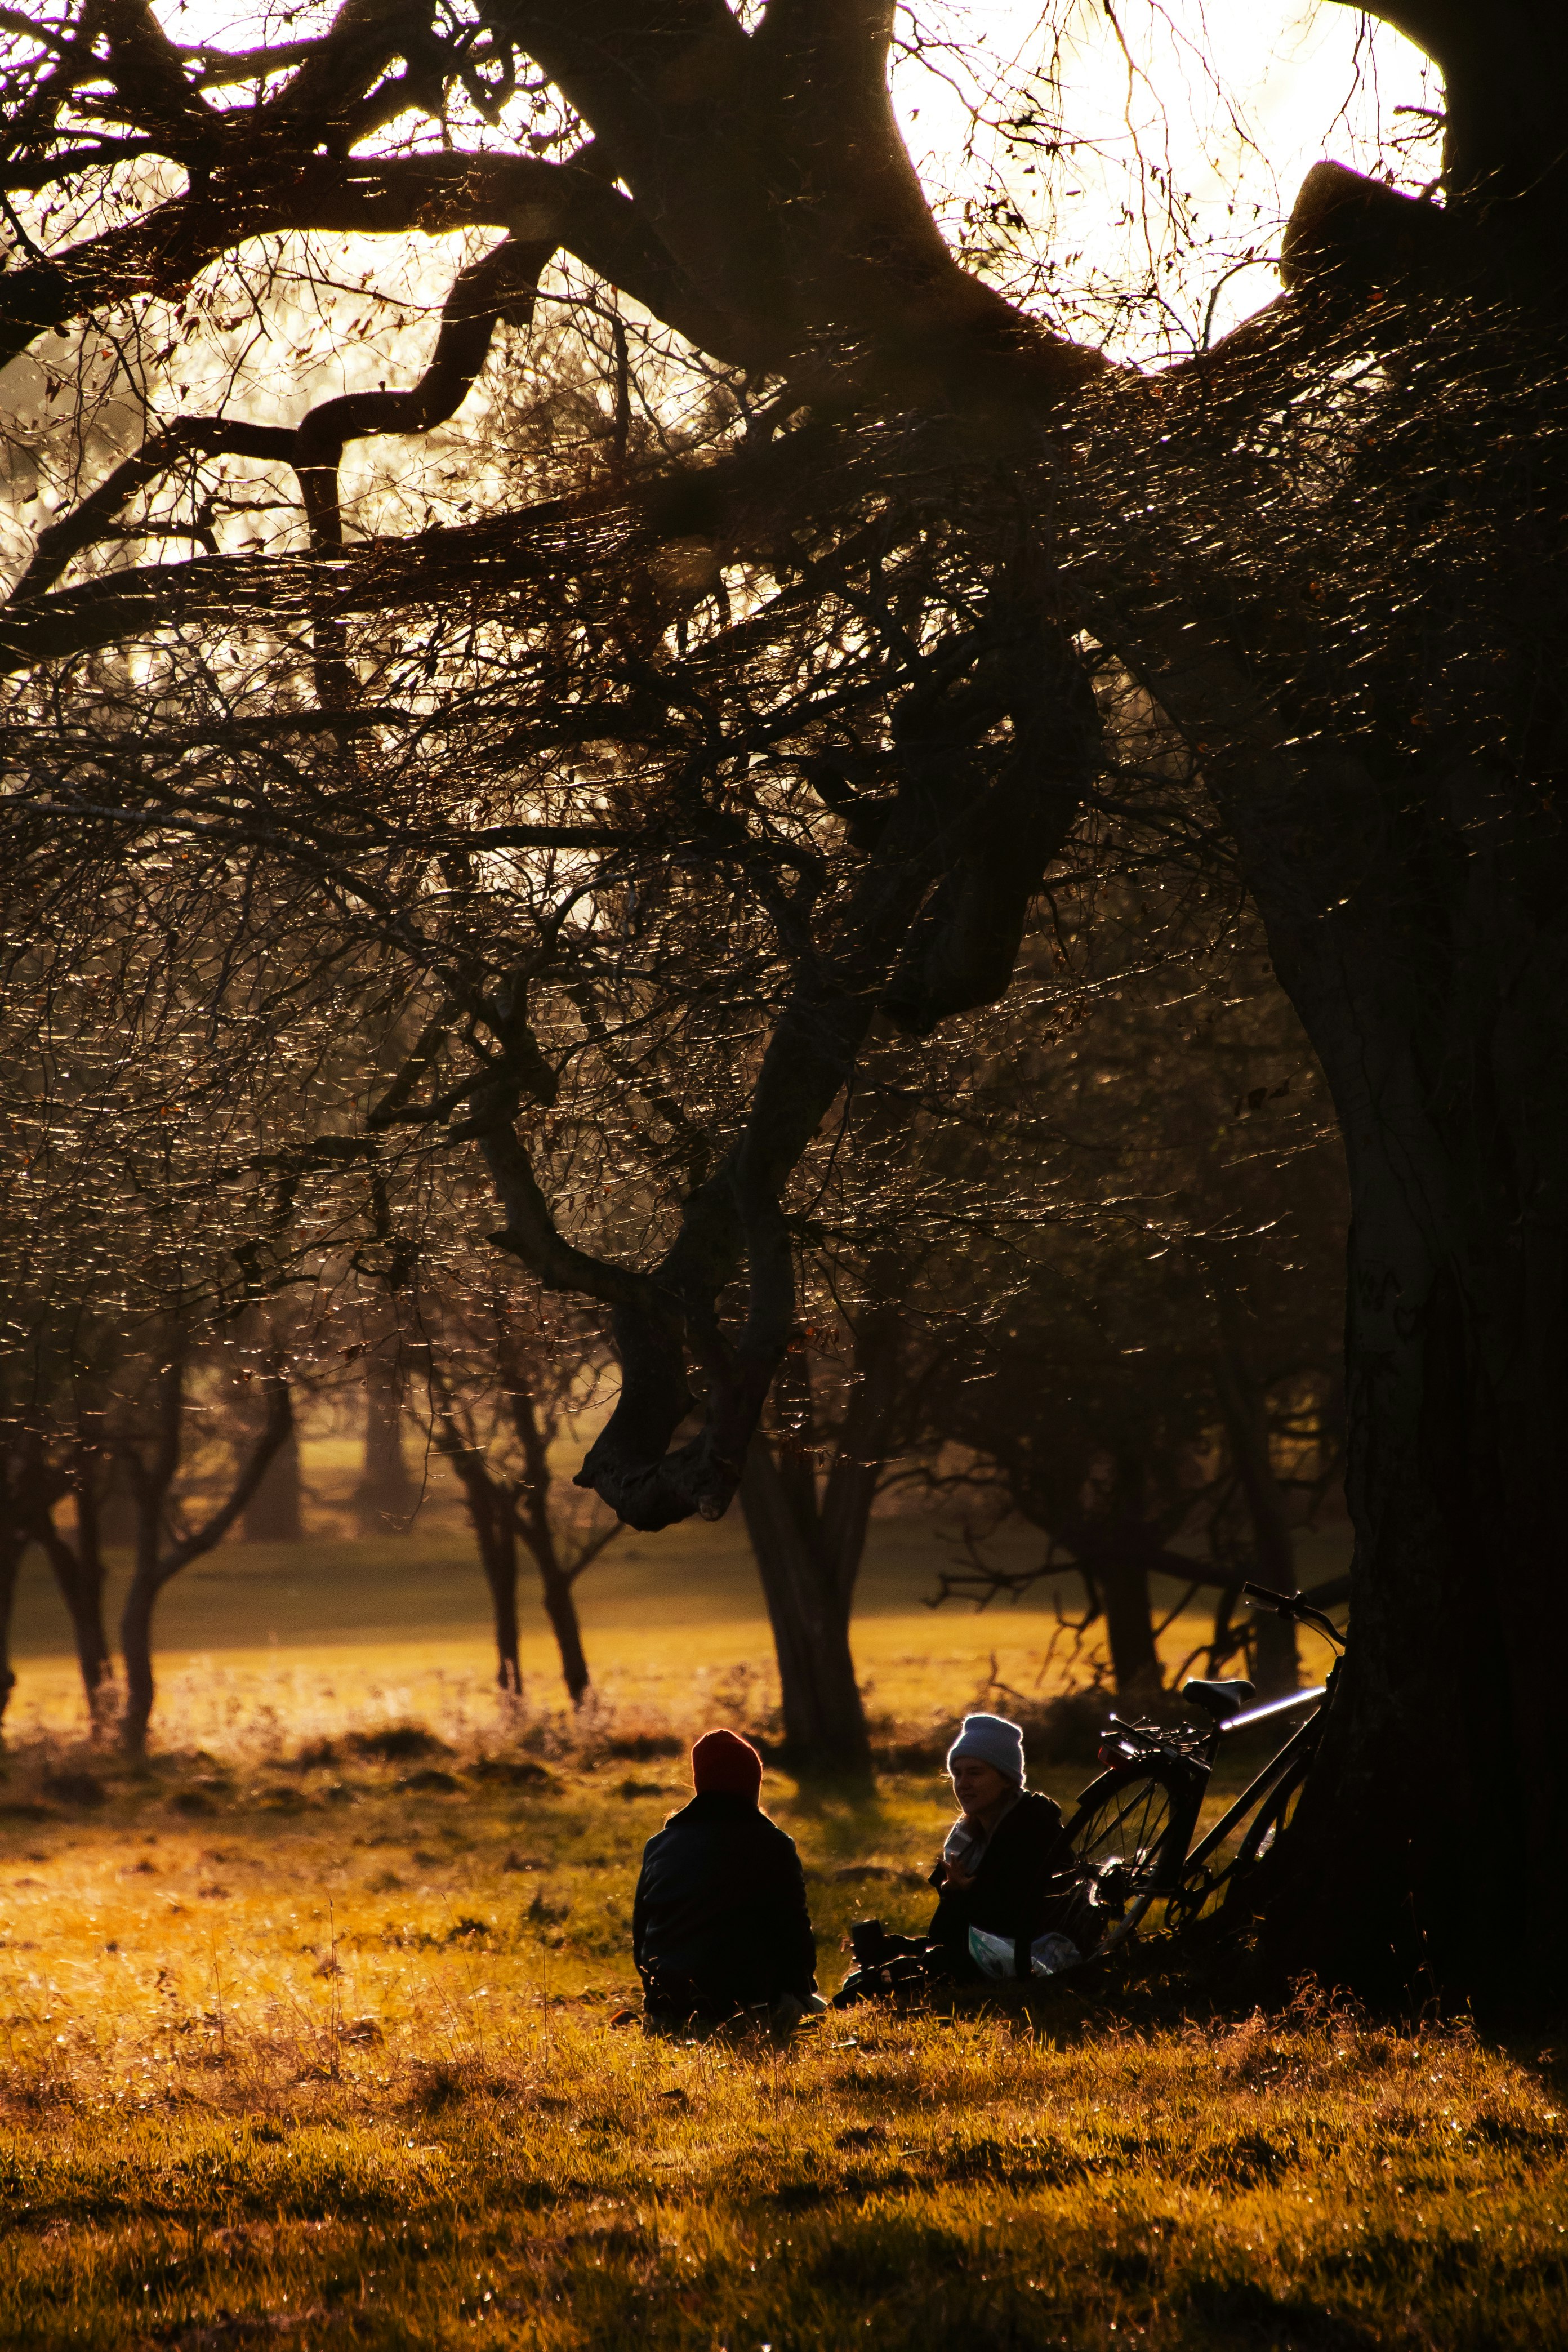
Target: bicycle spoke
(1149, 1806)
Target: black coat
(719, 1917)
(1012, 1893)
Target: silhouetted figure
(721, 1923)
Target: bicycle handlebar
(1296, 1606)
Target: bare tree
(501, 1395)
(151, 1446)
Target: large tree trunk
(1417, 926)
(1432, 1845)
(1413, 886)
(1395, 792)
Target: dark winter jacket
(1011, 1894)
(719, 1920)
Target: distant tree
(386, 1497)
(26, 1488)
(163, 1209)
(841, 1406)
(152, 1442)
(505, 1385)
(1140, 1382)
(65, 1455)
(274, 1512)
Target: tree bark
(1431, 1843)
(1412, 877)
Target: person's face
(977, 1785)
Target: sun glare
(1129, 169)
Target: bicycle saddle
(1221, 1700)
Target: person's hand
(961, 1879)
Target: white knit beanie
(990, 1740)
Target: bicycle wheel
(1128, 1837)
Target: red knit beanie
(722, 1759)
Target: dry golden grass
(310, 2038)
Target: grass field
(329, 1630)
(310, 2037)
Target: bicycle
(1131, 1836)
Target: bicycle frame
(1257, 1789)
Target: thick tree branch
(737, 1216)
(808, 225)
(568, 204)
(963, 950)
(502, 284)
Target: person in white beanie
(997, 1863)
(996, 1874)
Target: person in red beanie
(721, 1924)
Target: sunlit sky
(1225, 102)
(1221, 105)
